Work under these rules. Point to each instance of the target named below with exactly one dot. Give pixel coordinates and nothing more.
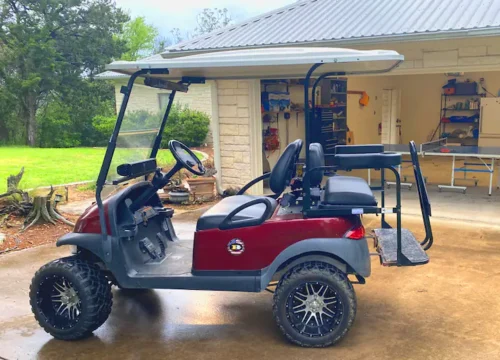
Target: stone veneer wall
(234, 130)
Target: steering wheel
(186, 157)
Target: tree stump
(40, 209)
(13, 185)
(44, 209)
(16, 201)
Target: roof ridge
(178, 46)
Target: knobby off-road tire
(85, 284)
(336, 320)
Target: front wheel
(314, 305)
(70, 298)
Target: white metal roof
(353, 21)
(267, 63)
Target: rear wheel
(70, 298)
(314, 305)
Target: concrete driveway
(448, 309)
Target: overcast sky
(168, 14)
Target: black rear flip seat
(348, 190)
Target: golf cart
(306, 240)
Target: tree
(140, 39)
(161, 43)
(177, 36)
(50, 46)
(212, 19)
(66, 119)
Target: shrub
(103, 127)
(187, 126)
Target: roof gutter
(428, 36)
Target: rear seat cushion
(348, 190)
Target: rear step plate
(386, 243)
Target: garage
(439, 43)
(393, 109)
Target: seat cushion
(367, 161)
(348, 190)
(316, 159)
(214, 216)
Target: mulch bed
(37, 235)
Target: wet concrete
(448, 309)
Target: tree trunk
(31, 119)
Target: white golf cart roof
(285, 62)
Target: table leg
(491, 175)
(452, 185)
(453, 172)
(498, 181)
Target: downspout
(216, 136)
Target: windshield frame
(110, 150)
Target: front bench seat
(213, 217)
(280, 178)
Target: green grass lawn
(44, 167)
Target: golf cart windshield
(139, 128)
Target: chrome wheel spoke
(330, 302)
(60, 288)
(59, 308)
(305, 315)
(298, 306)
(313, 315)
(325, 309)
(320, 316)
(307, 289)
(302, 298)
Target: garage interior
(390, 109)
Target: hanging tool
(398, 126)
(287, 117)
(364, 100)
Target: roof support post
(157, 143)
(307, 115)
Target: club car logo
(236, 247)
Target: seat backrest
(284, 170)
(316, 159)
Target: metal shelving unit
(446, 110)
(330, 121)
